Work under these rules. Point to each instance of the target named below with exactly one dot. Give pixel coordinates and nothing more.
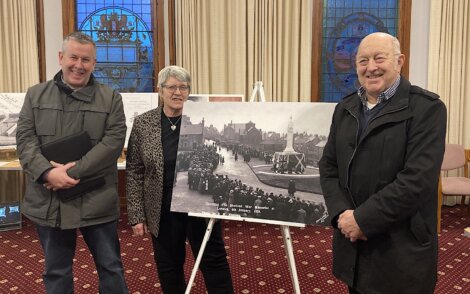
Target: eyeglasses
(173, 88)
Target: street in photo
(255, 161)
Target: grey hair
(396, 45)
(80, 38)
(395, 42)
(174, 71)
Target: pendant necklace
(173, 125)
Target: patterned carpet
(256, 255)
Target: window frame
(41, 39)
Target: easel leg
(210, 225)
(258, 89)
(290, 257)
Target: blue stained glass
(129, 54)
(331, 22)
(124, 43)
(147, 17)
(127, 6)
(114, 54)
(81, 8)
(81, 17)
(347, 22)
(101, 54)
(137, 8)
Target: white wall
(53, 33)
(419, 39)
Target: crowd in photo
(233, 197)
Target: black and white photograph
(135, 104)
(252, 161)
(10, 106)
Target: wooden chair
(455, 157)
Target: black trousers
(170, 254)
(353, 291)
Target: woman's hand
(139, 229)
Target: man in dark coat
(379, 175)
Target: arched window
(123, 30)
(345, 23)
(338, 28)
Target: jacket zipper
(350, 160)
(357, 145)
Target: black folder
(68, 149)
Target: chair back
(454, 157)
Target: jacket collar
(85, 94)
(384, 96)
(400, 100)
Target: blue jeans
(59, 251)
(170, 254)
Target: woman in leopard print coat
(150, 170)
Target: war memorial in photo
(252, 161)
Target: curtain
(19, 69)
(19, 64)
(449, 66)
(228, 45)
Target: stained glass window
(124, 41)
(345, 23)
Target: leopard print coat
(144, 171)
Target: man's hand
(349, 227)
(57, 178)
(139, 229)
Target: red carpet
(256, 253)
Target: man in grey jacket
(70, 103)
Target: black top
(170, 141)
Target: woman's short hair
(174, 71)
